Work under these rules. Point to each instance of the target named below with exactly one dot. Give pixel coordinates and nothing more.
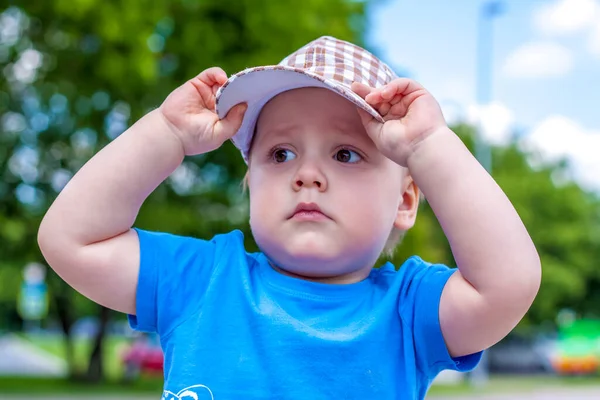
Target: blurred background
(517, 80)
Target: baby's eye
(347, 156)
(283, 155)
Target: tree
(562, 219)
(79, 72)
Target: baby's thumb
(372, 126)
(228, 126)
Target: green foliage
(564, 223)
(562, 219)
(78, 72)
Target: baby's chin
(311, 259)
(310, 256)
(313, 247)
(314, 252)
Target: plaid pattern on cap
(328, 62)
(340, 61)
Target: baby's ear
(407, 209)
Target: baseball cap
(326, 62)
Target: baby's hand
(189, 111)
(410, 112)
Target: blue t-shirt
(231, 327)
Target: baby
(338, 150)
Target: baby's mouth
(308, 212)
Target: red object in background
(144, 356)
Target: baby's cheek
(258, 214)
(374, 219)
(265, 208)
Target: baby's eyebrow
(284, 128)
(260, 135)
(349, 129)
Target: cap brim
(256, 86)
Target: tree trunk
(95, 372)
(65, 315)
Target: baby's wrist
(167, 130)
(431, 147)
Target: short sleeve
(174, 274)
(420, 308)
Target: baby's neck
(344, 279)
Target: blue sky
(546, 68)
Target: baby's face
(311, 153)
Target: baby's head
(324, 202)
(310, 150)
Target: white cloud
(566, 16)
(459, 89)
(571, 17)
(594, 40)
(558, 137)
(453, 93)
(496, 121)
(453, 111)
(539, 60)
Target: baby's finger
(213, 76)
(389, 91)
(374, 97)
(396, 99)
(398, 110)
(372, 126)
(384, 93)
(384, 108)
(379, 107)
(361, 89)
(397, 87)
(404, 86)
(228, 126)
(205, 92)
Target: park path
(552, 393)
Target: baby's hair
(393, 241)
(244, 182)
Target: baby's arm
(86, 236)
(499, 268)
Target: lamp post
(489, 10)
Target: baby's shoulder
(412, 277)
(412, 268)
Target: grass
(43, 386)
(520, 384)
(113, 347)
(57, 386)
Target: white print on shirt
(196, 392)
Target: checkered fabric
(328, 62)
(340, 61)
